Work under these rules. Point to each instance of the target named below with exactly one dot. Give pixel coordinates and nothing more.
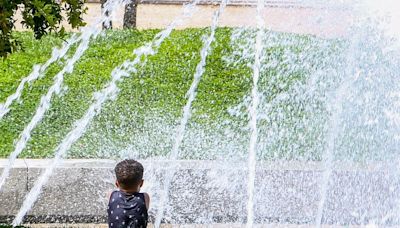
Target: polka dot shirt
(127, 210)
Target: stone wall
(211, 192)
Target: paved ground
(332, 22)
(186, 226)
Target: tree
(130, 14)
(42, 16)
(107, 24)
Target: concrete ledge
(206, 164)
(211, 192)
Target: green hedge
(155, 94)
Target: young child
(127, 207)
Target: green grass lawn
(143, 117)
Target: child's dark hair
(129, 173)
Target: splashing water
(253, 116)
(283, 108)
(328, 159)
(37, 72)
(337, 101)
(191, 94)
(389, 9)
(57, 54)
(375, 12)
(43, 108)
(109, 92)
(45, 101)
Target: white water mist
(109, 92)
(43, 107)
(333, 131)
(37, 72)
(191, 94)
(252, 158)
(45, 101)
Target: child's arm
(147, 200)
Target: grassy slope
(160, 85)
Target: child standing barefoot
(127, 207)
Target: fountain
(276, 128)
(45, 101)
